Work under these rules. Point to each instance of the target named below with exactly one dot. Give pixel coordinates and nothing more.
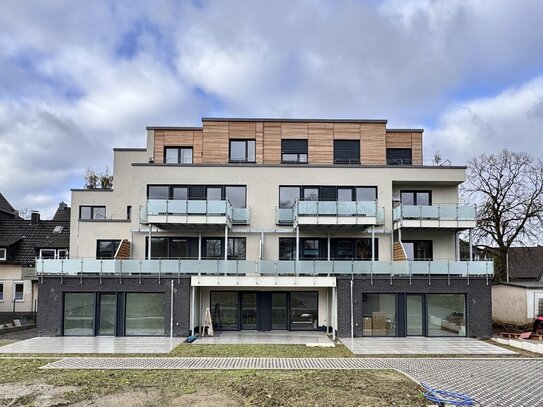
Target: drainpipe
(297, 243)
(328, 248)
(470, 247)
(226, 242)
(372, 243)
(199, 245)
(171, 309)
(352, 311)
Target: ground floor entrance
(265, 310)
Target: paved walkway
(422, 346)
(86, 344)
(492, 382)
(266, 338)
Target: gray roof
(6, 208)
(524, 284)
(23, 240)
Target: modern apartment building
(270, 224)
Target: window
(172, 247)
(92, 212)
(53, 253)
(446, 314)
(310, 194)
(1, 291)
(106, 249)
(288, 196)
(416, 197)
(353, 249)
(236, 248)
(287, 248)
(399, 156)
(18, 291)
(78, 314)
(310, 249)
(158, 191)
(304, 310)
(366, 194)
(243, 151)
(418, 249)
(236, 196)
(129, 212)
(212, 248)
(344, 194)
(214, 193)
(224, 309)
(180, 193)
(3, 254)
(178, 155)
(379, 314)
(347, 151)
(294, 151)
(144, 314)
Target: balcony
(178, 267)
(328, 213)
(452, 216)
(193, 212)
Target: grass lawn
(23, 383)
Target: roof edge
(173, 128)
(405, 130)
(129, 149)
(261, 119)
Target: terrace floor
(266, 338)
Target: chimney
(62, 206)
(34, 218)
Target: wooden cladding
(123, 252)
(398, 252)
(412, 140)
(211, 145)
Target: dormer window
(3, 254)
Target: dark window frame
(322, 196)
(203, 187)
(338, 149)
(116, 242)
(399, 161)
(415, 192)
(179, 148)
(246, 160)
(299, 154)
(416, 241)
(92, 209)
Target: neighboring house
(520, 300)
(21, 242)
(6, 210)
(271, 224)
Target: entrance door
(107, 314)
(415, 314)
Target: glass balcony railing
(443, 212)
(329, 209)
(168, 208)
(218, 267)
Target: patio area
(96, 345)
(422, 346)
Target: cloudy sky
(78, 78)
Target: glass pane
(311, 249)
(19, 291)
(237, 151)
(366, 194)
(446, 315)
(47, 254)
(304, 313)
(108, 314)
(172, 156)
(99, 212)
(407, 198)
(288, 196)
(186, 155)
(236, 196)
(311, 194)
(423, 198)
(302, 158)
(344, 194)
(79, 314)
(179, 249)
(414, 315)
(158, 192)
(159, 247)
(344, 249)
(236, 248)
(290, 157)
(85, 212)
(287, 248)
(279, 310)
(248, 310)
(144, 314)
(363, 249)
(251, 150)
(214, 193)
(107, 249)
(224, 310)
(213, 248)
(409, 248)
(379, 314)
(180, 193)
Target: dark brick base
(50, 312)
(478, 298)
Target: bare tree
(507, 188)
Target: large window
(310, 249)
(353, 249)
(158, 192)
(416, 197)
(399, 156)
(294, 151)
(106, 249)
(379, 315)
(224, 310)
(287, 248)
(173, 247)
(92, 212)
(79, 314)
(178, 155)
(243, 151)
(236, 195)
(213, 248)
(446, 314)
(144, 314)
(366, 193)
(418, 249)
(288, 196)
(347, 151)
(304, 314)
(236, 248)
